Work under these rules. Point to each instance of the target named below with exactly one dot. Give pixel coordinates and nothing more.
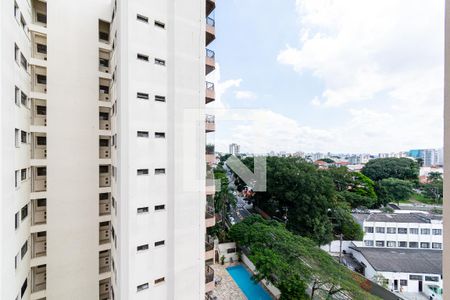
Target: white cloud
(245, 95)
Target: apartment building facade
(403, 230)
(105, 194)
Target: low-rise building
(402, 270)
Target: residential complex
(234, 149)
(104, 189)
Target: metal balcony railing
(209, 274)
(210, 21)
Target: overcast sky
(329, 75)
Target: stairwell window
(23, 99)
(142, 18)
(159, 243)
(160, 280)
(17, 96)
(142, 247)
(23, 62)
(160, 62)
(142, 287)
(142, 96)
(160, 207)
(160, 135)
(24, 212)
(23, 174)
(142, 57)
(142, 172)
(160, 24)
(160, 171)
(143, 134)
(23, 136)
(24, 249)
(142, 210)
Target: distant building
(430, 157)
(234, 149)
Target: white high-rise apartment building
(103, 185)
(234, 149)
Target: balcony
(104, 287)
(39, 179)
(104, 118)
(210, 154)
(39, 81)
(209, 279)
(39, 46)
(210, 92)
(38, 278)
(103, 31)
(210, 123)
(104, 87)
(210, 6)
(210, 30)
(105, 175)
(210, 219)
(39, 112)
(39, 244)
(39, 211)
(39, 147)
(104, 261)
(209, 249)
(210, 61)
(104, 233)
(104, 204)
(40, 13)
(105, 147)
(104, 59)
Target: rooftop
(403, 260)
(396, 217)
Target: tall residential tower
(103, 185)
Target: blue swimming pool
(243, 279)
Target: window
(104, 143)
(16, 220)
(403, 244)
(391, 230)
(23, 174)
(24, 212)
(424, 245)
(23, 289)
(160, 135)
(16, 53)
(415, 277)
(160, 62)
(379, 229)
(142, 210)
(436, 245)
(437, 231)
(160, 207)
(103, 169)
(142, 171)
(425, 231)
(142, 18)
(159, 280)
(413, 245)
(402, 230)
(160, 24)
(379, 243)
(24, 249)
(41, 18)
(368, 229)
(432, 278)
(142, 96)
(159, 243)
(403, 282)
(41, 79)
(23, 136)
(41, 202)
(23, 98)
(103, 36)
(41, 110)
(16, 9)
(414, 230)
(22, 22)
(391, 244)
(142, 57)
(142, 287)
(160, 171)
(16, 261)
(368, 243)
(41, 171)
(23, 62)
(41, 140)
(17, 96)
(160, 98)
(17, 139)
(142, 247)
(41, 48)
(16, 178)
(142, 134)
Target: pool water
(252, 290)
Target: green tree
(393, 190)
(434, 189)
(345, 224)
(383, 168)
(327, 160)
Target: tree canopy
(400, 168)
(393, 190)
(292, 262)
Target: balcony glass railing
(210, 21)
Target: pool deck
(227, 289)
